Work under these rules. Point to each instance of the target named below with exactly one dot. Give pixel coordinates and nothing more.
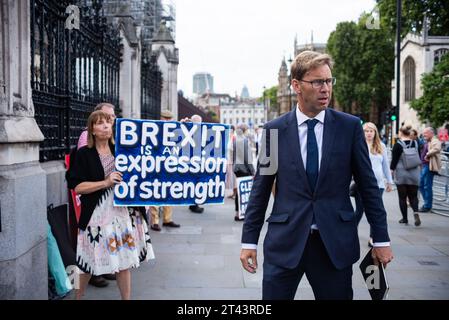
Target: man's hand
(248, 257)
(389, 187)
(383, 255)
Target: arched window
(438, 55)
(410, 79)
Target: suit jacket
(434, 155)
(344, 155)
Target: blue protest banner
(170, 163)
(244, 185)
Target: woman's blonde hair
(376, 147)
(91, 121)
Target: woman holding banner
(110, 239)
(242, 160)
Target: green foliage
(434, 104)
(364, 59)
(413, 14)
(213, 115)
(341, 45)
(271, 95)
(364, 65)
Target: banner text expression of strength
(170, 163)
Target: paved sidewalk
(201, 260)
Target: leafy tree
(271, 95)
(212, 115)
(376, 66)
(413, 14)
(364, 65)
(434, 104)
(343, 46)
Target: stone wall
(23, 186)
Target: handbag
(243, 169)
(410, 156)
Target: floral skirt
(115, 239)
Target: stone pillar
(136, 63)
(23, 196)
(130, 86)
(125, 78)
(173, 82)
(167, 59)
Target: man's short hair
(196, 118)
(104, 104)
(308, 60)
(431, 130)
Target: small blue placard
(244, 186)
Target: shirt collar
(301, 117)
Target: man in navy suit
(312, 228)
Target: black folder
(375, 278)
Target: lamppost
(398, 60)
(264, 105)
(290, 84)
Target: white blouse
(381, 169)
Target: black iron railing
(151, 84)
(71, 70)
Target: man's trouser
(167, 213)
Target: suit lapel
(295, 150)
(328, 142)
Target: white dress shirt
(302, 131)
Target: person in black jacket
(99, 281)
(242, 158)
(111, 240)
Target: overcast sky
(242, 42)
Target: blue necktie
(312, 154)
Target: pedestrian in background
(431, 165)
(230, 176)
(242, 158)
(196, 208)
(379, 162)
(406, 177)
(415, 136)
(167, 211)
(258, 139)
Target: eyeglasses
(319, 83)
